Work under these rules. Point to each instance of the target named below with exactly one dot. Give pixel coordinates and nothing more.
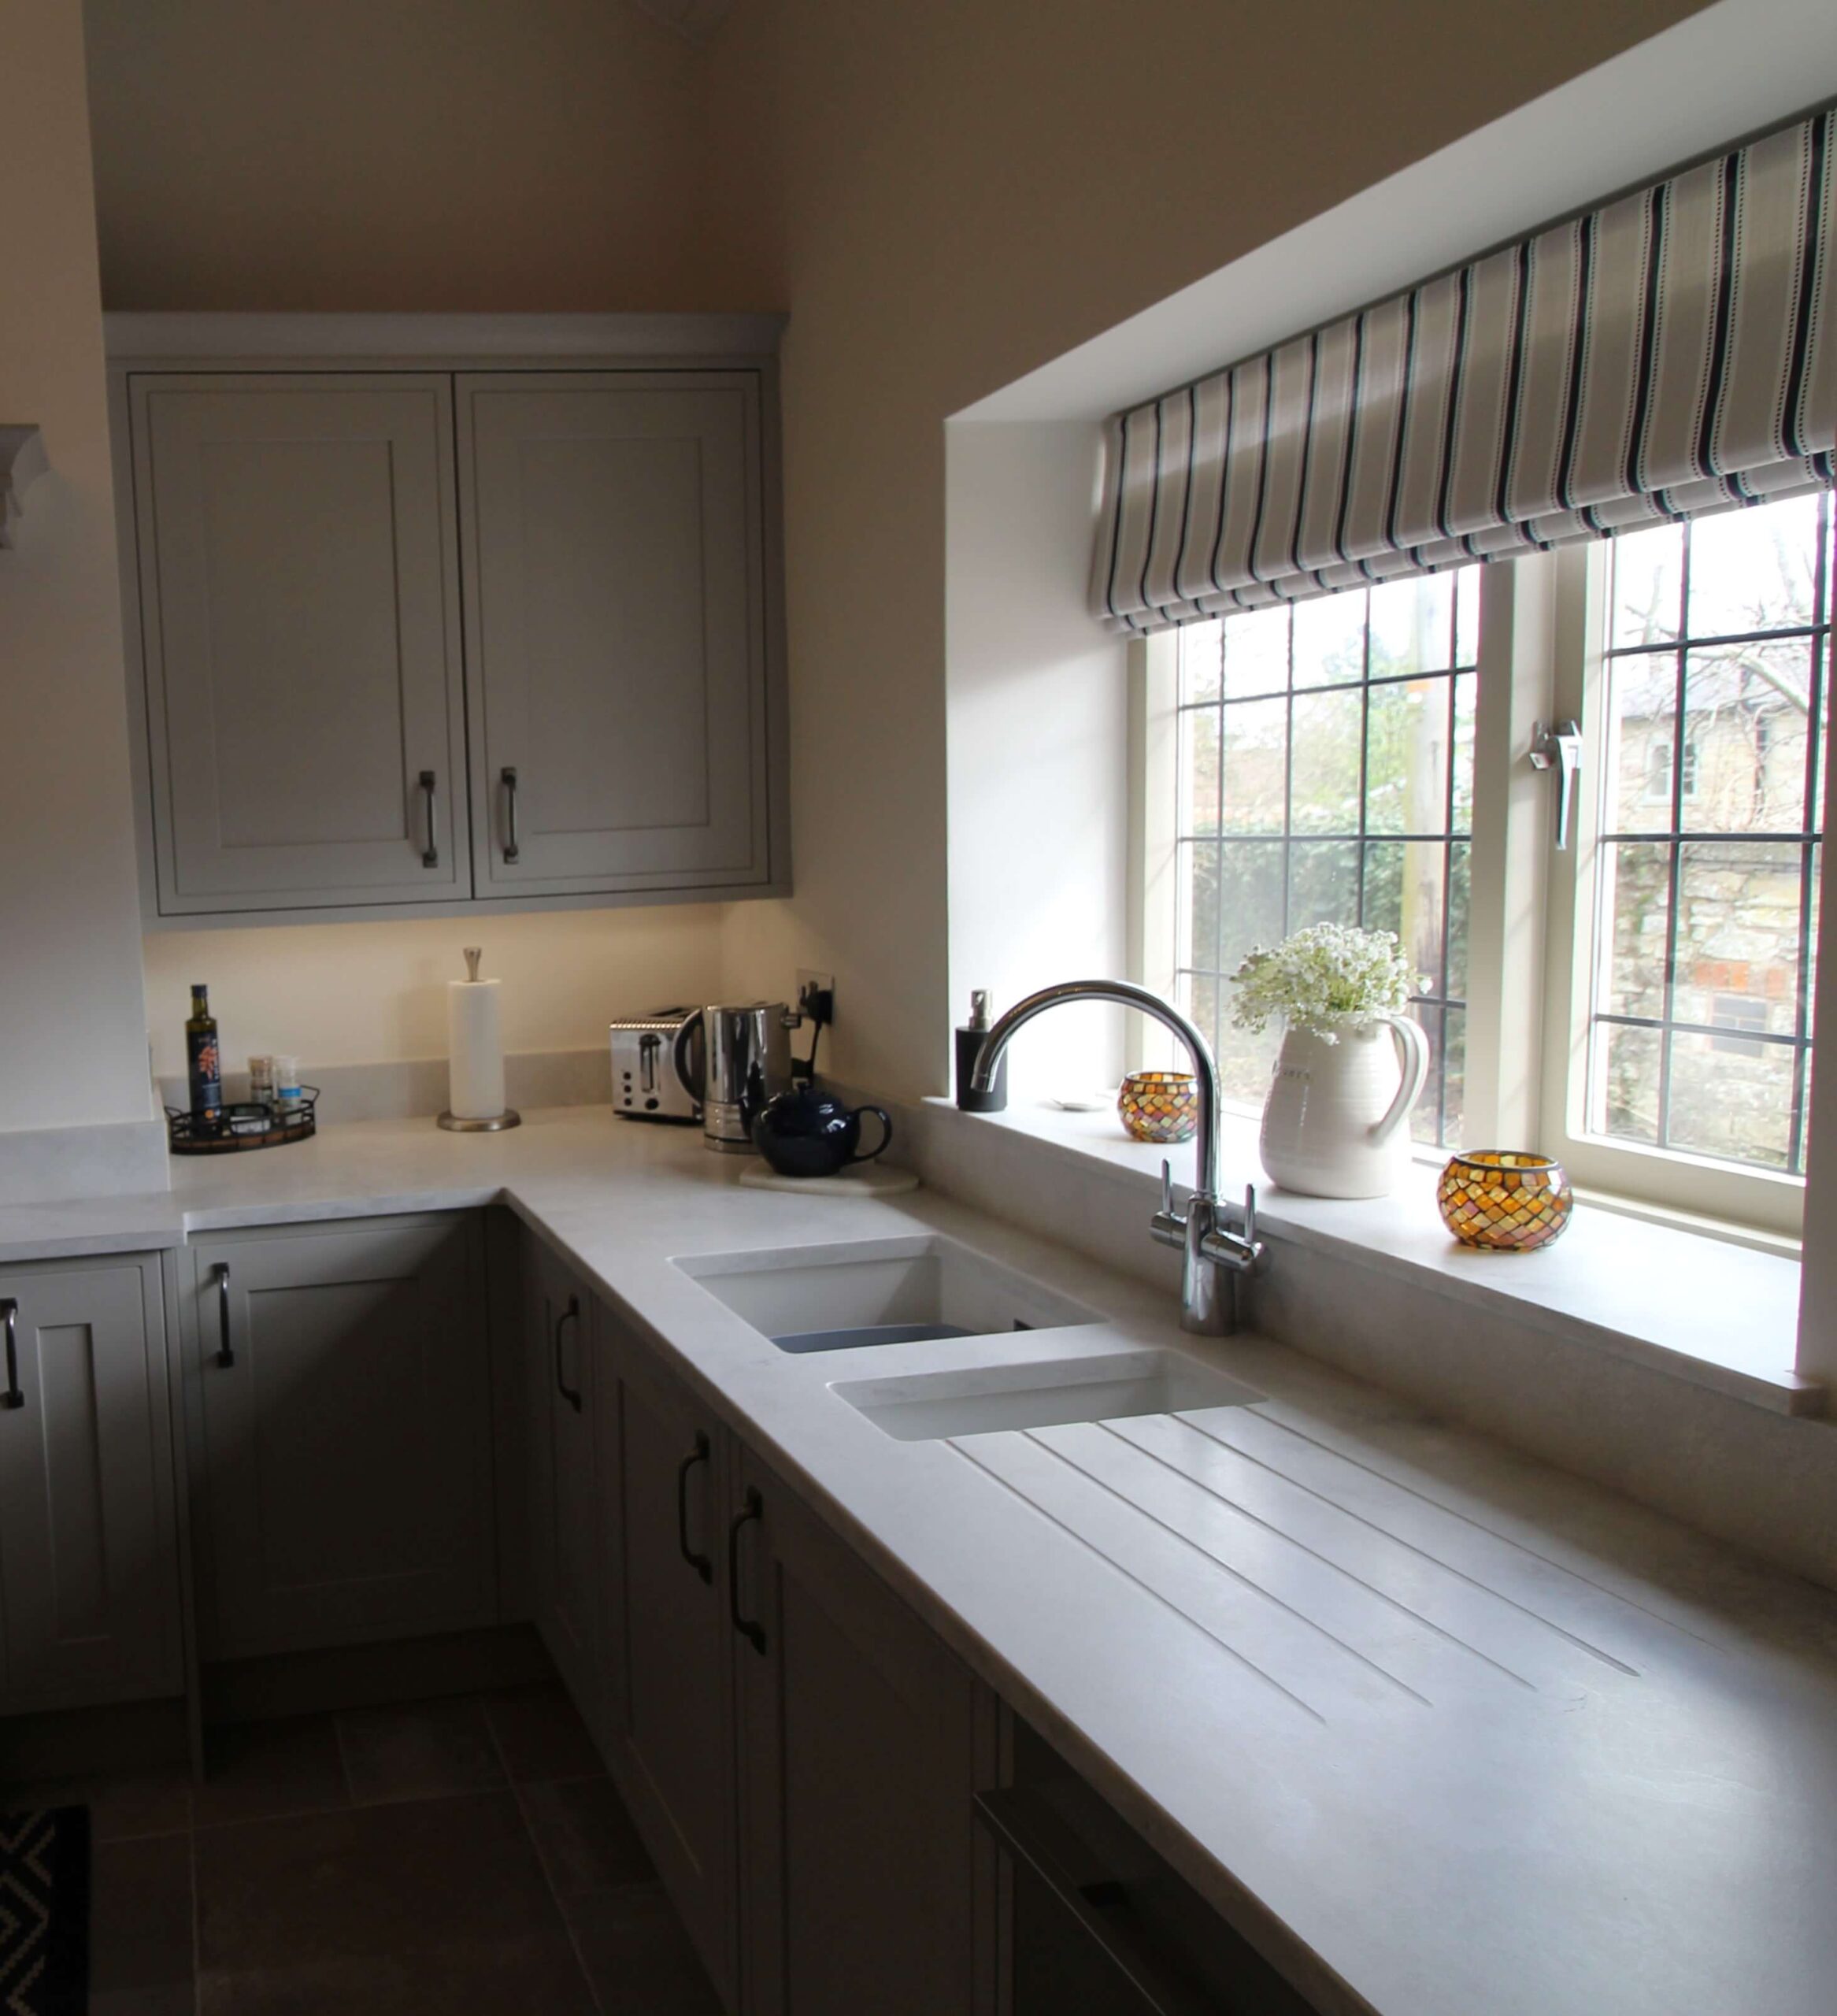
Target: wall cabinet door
(566, 1565)
(301, 634)
(340, 1388)
(857, 1760)
(89, 1579)
(663, 1468)
(615, 629)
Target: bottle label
(205, 1069)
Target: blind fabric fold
(1673, 352)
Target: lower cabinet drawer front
(341, 1403)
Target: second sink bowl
(930, 1406)
(860, 1292)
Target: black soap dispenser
(969, 1043)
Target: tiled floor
(456, 1858)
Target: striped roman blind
(1673, 352)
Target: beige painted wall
(963, 192)
(399, 155)
(371, 993)
(73, 1042)
(394, 154)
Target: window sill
(1721, 1315)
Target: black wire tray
(242, 1128)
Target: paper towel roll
(474, 1050)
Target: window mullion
(1508, 860)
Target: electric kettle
(745, 1060)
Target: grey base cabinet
(857, 1757)
(566, 1570)
(339, 1385)
(89, 1564)
(666, 1464)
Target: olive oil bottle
(204, 1064)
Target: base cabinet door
(340, 1394)
(566, 1569)
(89, 1575)
(664, 1465)
(857, 1760)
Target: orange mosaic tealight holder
(1502, 1202)
(1161, 1106)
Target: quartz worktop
(1443, 1731)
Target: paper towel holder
(498, 1122)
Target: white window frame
(1532, 922)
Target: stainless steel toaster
(646, 1085)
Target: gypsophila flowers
(1326, 979)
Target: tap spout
(1123, 994)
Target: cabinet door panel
(346, 1447)
(615, 628)
(859, 1773)
(297, 552)
(87, 1554)
(566, 1569)
(662, 1489)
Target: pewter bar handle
(430, 853)
(511, 849)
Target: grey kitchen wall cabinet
(665, 1467)
(434, 613)
(613, 566)
(300, 636)
(339, 1394)
(566, 1564)
(89, 1569)
(858, 1761)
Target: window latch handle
(1558, 747)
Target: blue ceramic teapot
(806, 1132)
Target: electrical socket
(816, 996)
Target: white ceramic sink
(927, 1406)
(879, 1292)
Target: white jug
(1335, 1124)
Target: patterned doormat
(44, 1912)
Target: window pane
(1256, 653)
(1645, 586)
(1466, 698)
(1738, 932)
(1407, 757)
(1412, 625)
(1425, 1116)
(1641, 744)
(1405, 888)
(1627, 1094)
(1330, 639)
(1702, 932)
(1274, 807)
(1466, 617)
(1256, 766)
(1731, 1098)
(1202, 675)
(1459, 901)
(1198, 905)
(1635, 903)
(1454, 1098)
(1746, 710)
(1754, 570)
(1199, 771)
(1322, 882)
(1324, 789)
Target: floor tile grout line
(541, 1859)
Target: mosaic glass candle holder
(1498, 1200)
(1161, 1106)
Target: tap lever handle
(1167, 1187)
(1249, 1214)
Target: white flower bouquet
(1327, 980)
